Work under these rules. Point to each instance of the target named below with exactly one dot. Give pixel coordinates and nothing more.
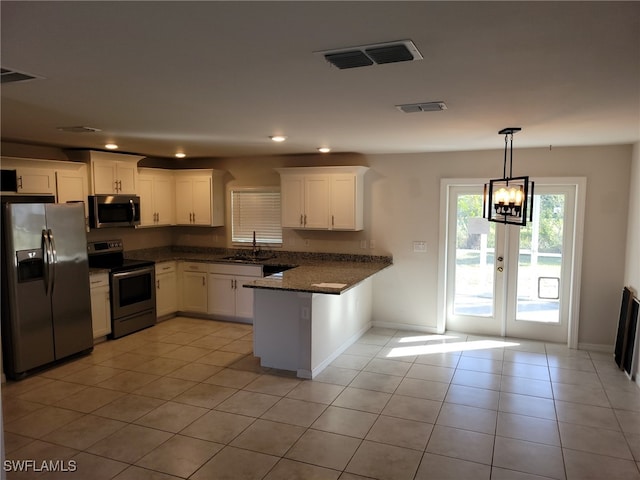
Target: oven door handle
(132, 273)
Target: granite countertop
(308, 272)
(332, 277)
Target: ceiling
(216, 79)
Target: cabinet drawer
(99, 280)
(240, 270)
(165, 267)
(195, 267)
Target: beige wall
(632, 263)
(402, 205)
(405, 204)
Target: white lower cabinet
(194, 287)
(227, 296)
(100, 305)
(166, 289)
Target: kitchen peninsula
(304, 316)
(307, 316)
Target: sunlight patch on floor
(446, 347)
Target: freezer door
(27, 330)
(70, 295)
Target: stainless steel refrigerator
(46, 304)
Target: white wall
(405, 207)
(632, 264)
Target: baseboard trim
(596, 347)
(325, 363)
(405, 326)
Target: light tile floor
(186, 399)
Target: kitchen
(402, 206)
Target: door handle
(500, 259)
(500, 269)
(54, 259)
(47, 263)
(133, 211)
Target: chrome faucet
(255, 249)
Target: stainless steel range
(132, 285)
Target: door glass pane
(475, 247)
(540, 261)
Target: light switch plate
(420, 246)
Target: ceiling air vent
(422, 107)
(378, 53)
(11, 76)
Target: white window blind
(256, 210)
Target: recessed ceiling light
(278, 138)
(324, 149)
(180, 155)
(111, 146)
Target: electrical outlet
(420, 247)
(306, 242)
(372, 244)
(305, 313)
(363, 244)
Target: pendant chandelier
(508, 199)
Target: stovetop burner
(110, 255)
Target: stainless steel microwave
(114, 211)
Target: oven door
(133, 291)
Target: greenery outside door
(508, 280)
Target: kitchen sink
(272, 269)
(248, 258)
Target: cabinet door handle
(20, 182)
(301, 217)
(120, 185)
(232, 285)
(158, 284)
(305, 219)
(203, 281)
(332, 220)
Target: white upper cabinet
(110, 173)
(156, 188)
(323, 198)
(113, 177)
(36, 180)
(66, 180)
(199, 197)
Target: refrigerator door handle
(46, 246)
(54, 259)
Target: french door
(505, 280)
